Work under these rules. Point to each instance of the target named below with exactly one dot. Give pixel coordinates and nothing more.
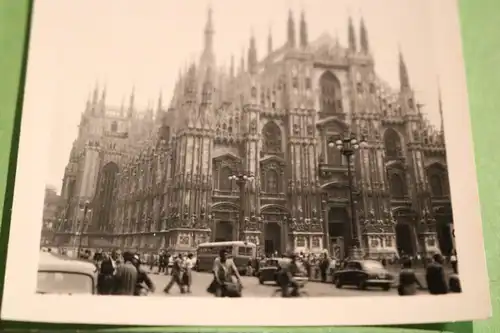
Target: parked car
(268, 269)
(270, 266)
(363, 274)
(57, 275)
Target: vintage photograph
(224, 149)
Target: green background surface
(481, 35)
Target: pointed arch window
(330, 93)
(397, 185)
(333, 156)
(392, 143)
(225, 184)
(105, 198)
(438, 181)
(272, 141)
(272, 181)
(436, 185)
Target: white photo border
(20, 303)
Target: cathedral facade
(161, 177)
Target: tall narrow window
(271, 136)
(392, 142)
(438, 180)
(105, 197)
(333, 156)
(225, 184)
(397, 185)
(272, 182)
(436, 185)
(330, 98)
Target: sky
(123, 44)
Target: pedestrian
(435, 276)
(176, 273)
(105, 276)
(408, 281)
(144, 284)
(323, 266)
(250, 269)
(161, 261)
(126, 276)
(223, 270)
(166, 262)
(188, 272)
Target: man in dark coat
(436, 277)
(126, 276)
(176, 276)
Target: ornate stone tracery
(331, 94)
(271, 138)
(438, 180)
(272, 176)
(393, 144)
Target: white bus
(241, 252)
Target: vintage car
(58, 275)
(270, 266)
(363, 274)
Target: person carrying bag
(222, 285)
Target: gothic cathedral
(160, 178)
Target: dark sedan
(268, 269)
(363, 274)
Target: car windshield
(372, 265)
(63, 283)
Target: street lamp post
(425, 224)
(241, 180)
(86, 209)
(324, 219)
(348, 145)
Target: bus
(241, 252)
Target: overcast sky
(125, 43)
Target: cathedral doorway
(224, 231)
(405, 239)
(445, 237)
(444, 229)
(338, 230)
(272, 237)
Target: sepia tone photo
(241, 150)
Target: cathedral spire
(440, 101)
(190, 86)
(102, 101)
(404, 80)
(252, 55)
(207, 56)
(209, 31)
(351, 36)
(207, 90)
(95, 94)
(242, 62)
(303, 30)
(159, 107)
(270, 42)
(231, 68)
(363, 37)
(290, 30)
(131, 104)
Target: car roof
(51, 262)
